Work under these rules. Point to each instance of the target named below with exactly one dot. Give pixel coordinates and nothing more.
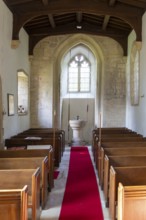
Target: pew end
(106, 180)
(131, 202)
(112, 193)
(13, 204)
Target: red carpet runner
(81, 199)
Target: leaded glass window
(79, 76)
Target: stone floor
(53, 206)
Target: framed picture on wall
(10, 98)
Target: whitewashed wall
(136, 115)
(10, 61)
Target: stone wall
(114, 93)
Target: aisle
(81, 198)
(53, 207)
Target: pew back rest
(114, 135)
(112, 130)
(131, 160)
(134, 175)
(23, 162)
(123, 144)
(123, 139)
(17, 178)
(32, 141)
(25, 153)
(125, 151)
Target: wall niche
(23, 87)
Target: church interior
(72, 82)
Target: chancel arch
(47, 66)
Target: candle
(99, 129)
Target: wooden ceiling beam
(107, 17)
(105, 22)
(130, 15)
(16, 2)
(90, 6)
(45, 2)
(79, 17)
(135, 3)
(51, 20)
(112, 2)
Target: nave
(55, 198)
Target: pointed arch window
(79, 74)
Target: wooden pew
(16, 179)
(102, 131)
(127, 144)
(116, 135)
(13, 204)
(49, 132)
(128, 176)
(119, 161)
(116, 140)
(40, 136)
(109, 131)
(30, 163)
(33, 153)
(114, 130)
(117, 152)
(131, 202)
(56, 144)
